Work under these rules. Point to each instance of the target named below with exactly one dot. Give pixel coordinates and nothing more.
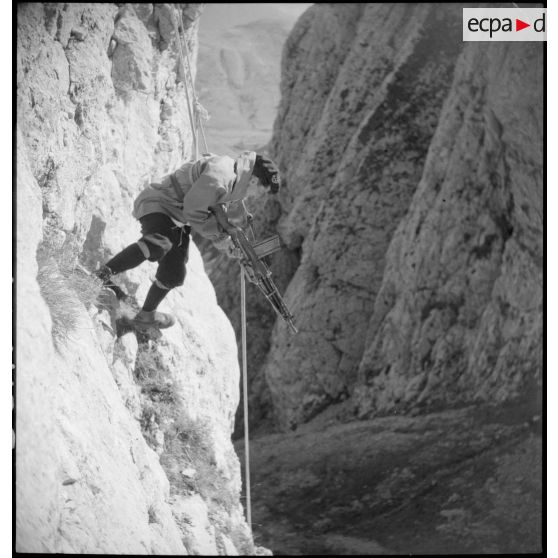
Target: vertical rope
(196, 124)
(245, 397)
(184, 78)
(199, 123)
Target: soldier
(183, 200)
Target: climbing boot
(154, 319)
(104, 273)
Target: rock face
(122, 441)
(459, 312)
(413, 200)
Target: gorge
(406, 414)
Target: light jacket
(187, 194)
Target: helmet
(267, 173)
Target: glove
(228, 247)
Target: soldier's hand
(228, 247)
(250, 275)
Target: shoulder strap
(176, 186)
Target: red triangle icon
(519, 25)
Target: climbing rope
(201, 116)
(188, 103)
(245, 397)
(198, 114)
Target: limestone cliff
(412, 210)
(122, 441)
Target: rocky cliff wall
(122, 441)
(413, 202)
(458, 316)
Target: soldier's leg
(171, 273)
(130, 257)
(152, 246)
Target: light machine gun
(254, 267)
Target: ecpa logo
(504, 24)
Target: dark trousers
(172, 254)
